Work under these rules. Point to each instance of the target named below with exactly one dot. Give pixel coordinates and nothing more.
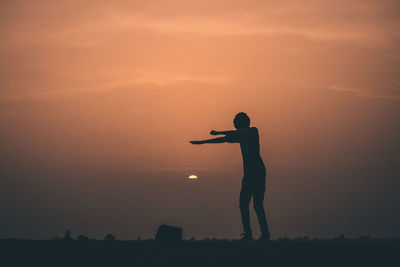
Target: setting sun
(193, 177)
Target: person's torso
(253, 164)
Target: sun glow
(193, 177)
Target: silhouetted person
(253, 183)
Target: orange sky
(99, 99)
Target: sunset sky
(98, 100)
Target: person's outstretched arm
(213, 132)
(210, 141)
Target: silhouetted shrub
(109, 237)
(67, 235)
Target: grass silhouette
(339, 251)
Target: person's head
(241, 121)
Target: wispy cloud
(360, 34)
(362, 92)
(95, 32)
(136, 80)
(163, 78)
(361, 23)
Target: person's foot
(245, 237)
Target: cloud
(363, 24)
(162, 78)
(138, 79)
(362, 92)
(95, 32)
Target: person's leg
(258, 199)
(244, 201)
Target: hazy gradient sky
(98, 100)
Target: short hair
(241, 120)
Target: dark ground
(332, 252)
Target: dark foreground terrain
(332, 252)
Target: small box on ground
(169, 233)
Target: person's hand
(213, 132)
(197, 142)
